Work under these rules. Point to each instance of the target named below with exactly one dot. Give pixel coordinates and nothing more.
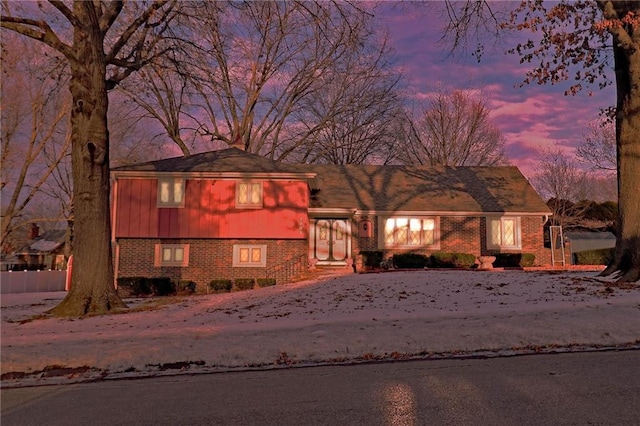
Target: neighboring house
(43, 251)
(232, 214)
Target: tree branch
(29, 28)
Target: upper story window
(503, 233)
(170, 192)
(248, 195)
(410, 231)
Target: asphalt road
(601, 388)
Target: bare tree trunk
(627, 253)
(92, 281)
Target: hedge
(135, 285)
(186, 286)
(594, 257)
(220, 285)
(162, 286)
(371, 259)
(514, 260)
(410, 260)
(244, 283)
(266, 282)
(452, 260)
(139, 286)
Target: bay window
(410, 231)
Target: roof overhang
(331, 212)
(131, 174)
(446, 213)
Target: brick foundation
(208, 259)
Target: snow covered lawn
(336, 319)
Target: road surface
(564, 389)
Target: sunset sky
(530, 117)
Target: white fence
(31, 281)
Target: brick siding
(208, 259)
(463, 235)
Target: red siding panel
(210, 211)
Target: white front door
(339, 240)
(323, 239)
(331, 239)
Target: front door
(331, 239)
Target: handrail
(285, 271)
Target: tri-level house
(233, 214)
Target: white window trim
(158, 262)
(236, 256)
(382, 244)
(171, 181)
(518, 233)
(249, 205)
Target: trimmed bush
(410, 260)
(514, 260)
(162, 286)
(220, 285)
(186, 286)
(594, 257)
(136, 286)
(371, 259)
(266, 282)
(452, 260)
(244, 283)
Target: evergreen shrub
(266, 282)
(594, 257)
(452, 260)
(244, 283)
(135, 286)
(186, 286)
(220, 285)
(410, 260)
(371, 259)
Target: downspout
(114, 244)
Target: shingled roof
(425, 188)
(376, 188)
(231, 160)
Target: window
(250, 255)
(503, 232)
(405, 231)
(249, 195)
(170, 192)
(172, 255)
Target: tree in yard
(102, 43)
(35, 112)
(275, 78)
(580, 41)
(354, 119)
(598, 149)
(559, 180)
(454, 129)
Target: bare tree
(102, 43)
(560, 180)
(582, 41)
(35, 114)
(271, 77)
(453, 129)
(354, 119)
(598, 148)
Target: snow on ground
(335, 319)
